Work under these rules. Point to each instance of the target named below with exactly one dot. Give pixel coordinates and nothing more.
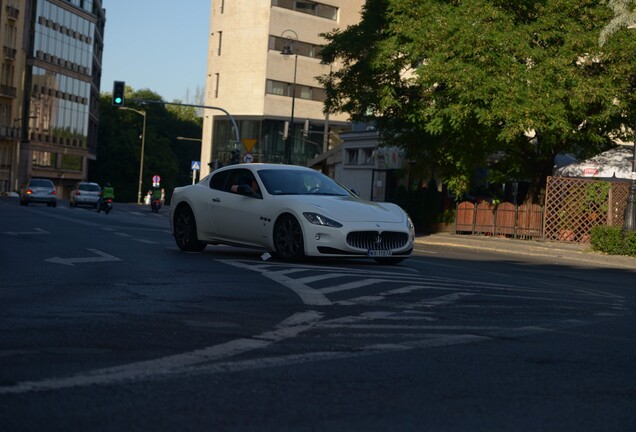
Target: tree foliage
(468, 84)
(119, 145)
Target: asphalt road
(105, 325)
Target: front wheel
(288, 239)
(185, 231)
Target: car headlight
(411, 227)
(318, 219)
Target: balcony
(13, 13)
(8, 91)
(9, 53)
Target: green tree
(468, 84)
(624, 17)
(119, 145)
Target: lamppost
(143, 142)
(292, 37)
(630, 209)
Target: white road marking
(103, 257)
(287, 328)
(35, 231)
(146, 241)
(352, 285)
(308, 295)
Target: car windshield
(89, 187)
(300, 182)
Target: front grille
(377, 240)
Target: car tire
(185, 231)
(389, 261)
(23, 203)
(288, 239)
(54, 204)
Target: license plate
(379, 253)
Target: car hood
(350, 209)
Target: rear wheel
(288, 239)
(185, 231)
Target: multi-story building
(60, 110)
(12, 17)
(274, 99)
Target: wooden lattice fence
(574, 206)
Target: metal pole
(630, 208)
(236, 132)
(141, 163)
(143, 144)
(290, 135)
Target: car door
(239, 218)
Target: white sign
(196, 165)
(248, 158)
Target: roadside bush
(613, 240)
(630, 243)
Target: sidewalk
(560, 252)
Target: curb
(560, 252)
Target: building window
(352, 157)
(217, 77)
(44, 159)
(222, 6)
(309, 7)
(302, 92)
(277, 88)
(277, 43)
(220, 41)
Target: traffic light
(118, 93)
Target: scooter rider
(107, 192)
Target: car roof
(261, 166)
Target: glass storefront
(306, 143)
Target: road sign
(248, 158)
(156, 180)
(196, 165)
(249, 144)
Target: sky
(160, 45)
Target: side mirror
(355, 192)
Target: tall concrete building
(12, 30)
(263, 60)
(51, 88)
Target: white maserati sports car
(291, 211)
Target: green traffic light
(118, 100)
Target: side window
(239, 177)
(217, 181)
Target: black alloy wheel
(288, 239)
(185, 231)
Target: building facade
(59, 112)
(274, 100)
(12, 19)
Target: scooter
(106, 205)
(155, 204)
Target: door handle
(216, 200)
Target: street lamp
(292, 37)
(143, 142)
